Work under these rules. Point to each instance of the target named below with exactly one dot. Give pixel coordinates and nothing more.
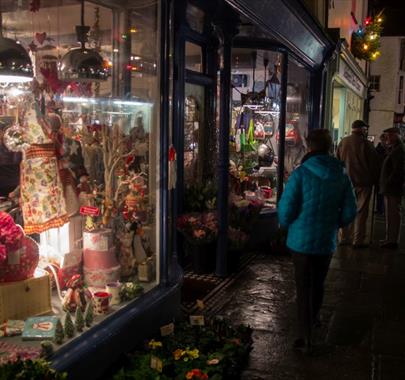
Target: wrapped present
(99, 278)
(145, 271)
(100, 240)
(19, 254)
(26, 298)
(11, 327)
(71, 265)
(40, 328)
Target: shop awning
(290, 23)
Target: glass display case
(256, 82)
(86, 130)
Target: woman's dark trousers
(310, 274)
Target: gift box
(100, 240)
(40, 328)
(100, 277)
(145, 271)
(26, 298)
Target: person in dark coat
(362, 165)
(318, 200)
(391, 186)
(382, 151)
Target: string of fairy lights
(366, 39)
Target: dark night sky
(394, 15)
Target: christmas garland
(366, 39)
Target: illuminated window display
(86, 129)
(256, 97)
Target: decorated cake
(100, 264)
(19, 254)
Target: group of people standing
(380, 169)
(326, 194)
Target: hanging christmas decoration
(35, 5)
(366, 39)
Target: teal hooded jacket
(318, 199)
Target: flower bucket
(202, 256)
(233, 259)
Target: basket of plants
(194, 350)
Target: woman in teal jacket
(318, 200)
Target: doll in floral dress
(41, 193)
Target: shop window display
(256, 79)
(88, 180)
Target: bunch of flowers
(196, 374)
(186, 354)
(214, 351)
(237, 237)
(11, 235)
(198, 228)
(243, 214)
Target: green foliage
(79, 319)
(89, 314)
(46, 349)
(69, 326)
(59, 333)
(130, 290)
(200, 197)
(366, 40)
(217, 351)
(29, 370)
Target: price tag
(156, 363)
(200, 304)
(167, 329)
(89, 210)
(197, 320)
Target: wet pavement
(363, 317)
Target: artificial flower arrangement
(198, 228)
(200, 198)
(237, 238)
(244, 213)
(214, 351)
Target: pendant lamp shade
(15, 63)
(83, 65)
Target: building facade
(387, 86)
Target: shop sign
(89, 210)
(350, 78)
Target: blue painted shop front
(204, 47)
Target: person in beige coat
(362, 164)
(392, 186)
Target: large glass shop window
(297, 116)
(86, 133)
(256, 80)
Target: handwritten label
(89, 210)
(167, 329)
(197, 320)
(156, 363)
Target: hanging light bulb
(15, 63)
(81, 64)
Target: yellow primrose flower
(153, 344)
(194, 354)
(178, 354)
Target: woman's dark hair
(319, 140)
